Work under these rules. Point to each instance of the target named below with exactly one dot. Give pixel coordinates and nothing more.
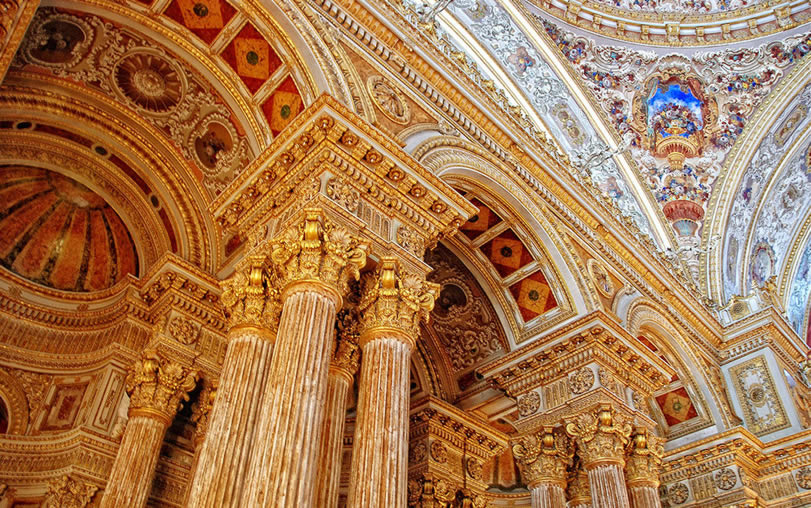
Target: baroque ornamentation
(678, 493)
(344, 194)
(725, 479)
(528, 404)
(395, 298)
(201, 410)
(158, 385)
(644, 459)
(185, 331)
(347, 352)
(581, 381)
(544, 457)
(601, 435)
(68, 492)
(439, 452)
(763, 411)
(599, 276)
(389, 99)
(316, 249)
(250, 296)
(474, 468)
(804, 478)
(411, 241)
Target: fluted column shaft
(608, 486)
(645, 496)
(131, 477)
(157, 386)
(393, 303)
(223, 459)
(284, 458)
(380, 449)
(548, 495)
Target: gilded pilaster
(251, 303)
(342, 369)
(315, 259)
(601, 436)
(543, 459)
(393, 302)
(642, 469)
(157, 386)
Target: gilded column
(578, 491)
(316, 260)
(157, 386)
(393, 302)
(543, 460)
(642, 469)
(339, 383)
(251, 304)
(601, 438)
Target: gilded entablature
(327, 142)
(147, 78)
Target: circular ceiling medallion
(149, 81)
(58, 233)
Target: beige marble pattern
(546, 495)
(645, 497)
(329, 463)
(608, 489)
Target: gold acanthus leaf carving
(319, 250)
(67, 492)
(250, 297)
(601, 436)
(201, 410)
(394, 298)
(544, 457)
(157, 384)
(644, 459)
(186, 331)
(347, 352)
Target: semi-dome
(56, 232)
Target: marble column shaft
(339, 382)
(380, 449)
(548, 495)
(284, 457)
(223, 459)
(608, 486)
(131, 477)
(645, 496)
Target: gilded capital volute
(544, 457)
(601, 436)
(394, 300)
(644, 459)
(158, 385)
(319, 252)
(250, 296)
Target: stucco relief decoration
(804, 478)
(439, 452)
(678, 493)
(725, 479)
(463, 319)
(391, 101)
(343, 194)
(411, 241)
(68, 492)
(581, 381)
(144, 76)
(763, 411)
(602, 281)
(473, 468)
(417, 453)
(186, 331)
(529, 404)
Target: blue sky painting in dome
(674, 110)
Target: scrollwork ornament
(528, 404)
(316, 249)
(439, 452)
(157, 384)
(344, 194)
(644, 459)
(68, 492)
(678, 493)
(417, 453)
(389, 99)
(250, 296)
(473, 468)
(395, 298)
(725, 479)
(804, 478)
(581, 381)
(185, 331)
(544, 458)
(411, 241)
(601, 436)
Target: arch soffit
(644, 314)
(756, 145)
(141, 146)
(465, 168)
(16, 402)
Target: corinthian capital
(644, 459)
(68, 492)
(395, 299)
(320, 251)
(544, 457)
(601, 436)
(250, 297)
(157, 385)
